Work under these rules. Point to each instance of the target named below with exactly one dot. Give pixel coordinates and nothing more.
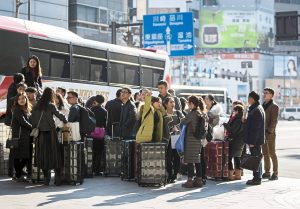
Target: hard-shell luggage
(3, 161)
(151, 164)
(88, 151)
(36, 173)
(217, 159)
(74, 166)
(128, 160)
(112, 157)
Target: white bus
(67, 60)
(220, 94)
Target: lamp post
(18, 4)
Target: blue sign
(172, 32)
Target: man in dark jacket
(255, 133)
(114, 108)
(74, 114)
(268, 149)
(128, 115)
(163, 94)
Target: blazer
(272, 111)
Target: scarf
(266, 105)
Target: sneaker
(266, 176)
(253, 182)
(273, 177)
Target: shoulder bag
(35, 132)
(12, 143)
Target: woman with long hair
(21, 129)
(172, 120)
(192, 143)
(33, 72)
(47, 145)
(214, 110)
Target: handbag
(250, 162)
(35, 132)
(13, 143)
(98, 133)
(180, 142)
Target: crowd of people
(144, 118)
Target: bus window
(153, 63)
(117, 73)
(44, 61)
(98, 71)
(49, 45)
(81, 68)
(147, 78)
(60, 67)
(123, 58)
(89, 52)
(13, 53)
(132, 75)
(157, 76)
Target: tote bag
(75, 131)
(180, 142)
(250, 162)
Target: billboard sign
(285, 66)
(172, 32)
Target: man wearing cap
(255, 133)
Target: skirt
(48, 151)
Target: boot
(188, 183)
(231, 176)
(197, 182)
(237, 175)
(47, 177)
(57, 177)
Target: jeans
(173, 161)
(256, 151)
(190, 167)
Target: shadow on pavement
(294, 156)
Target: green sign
(227, 29)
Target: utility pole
(28, 9)
(18, 4)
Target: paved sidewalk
(101, 192)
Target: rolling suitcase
(128, 160)
(36, 173)
(217, 159)
(73, 169)
(112, 157)
(151, 164)
(88, 151)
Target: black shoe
(273, 177)
(266, 176)
(47, 177)
(253, 182)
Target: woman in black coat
(47, 147)
(234, 132)
(21, 129)
(98, 144)
(33, 73)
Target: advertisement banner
(285, 66)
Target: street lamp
(18, 4)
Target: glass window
(89, 52)
(81, 68)
(103, 16)
(44, 61)
(117, 73)
(124, 57)
(153, 63)
(88, 14)
(50, 45)
(157, 76)
(147, 77)
(60, 66)
(290, 109)
(132, 75)
(13, 53)
(298, 109)
(98, 71)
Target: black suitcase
(88, 151)
(128, 160)
(36, 173)
(151, 164)
(73, 169)
(112, 157)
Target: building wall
(53, 12)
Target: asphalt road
(288, 148)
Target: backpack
(87, 122)
(203, 129)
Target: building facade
(53, 12)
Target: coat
(127, 120)
(177, 101)
(192, 145)
(146, 129)
(214, 115)
(255, 126)
(169, 123)
(271, 111)
(114, 108)
(21, 127)
(235, 129)
(100, 116)
(8, 114)
(32, 79)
